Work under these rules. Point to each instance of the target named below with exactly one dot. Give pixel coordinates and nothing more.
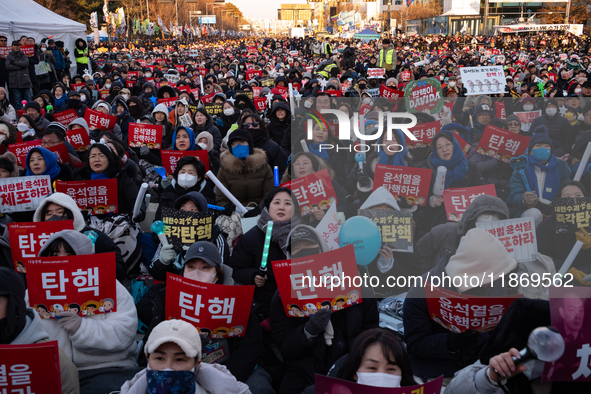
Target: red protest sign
(376, 72)
(78, 86)
(129, 84)
(309, 283)
(26, 239)
(24, 193)
(4, 51)
(457, 200)
(104, 94)
(85, 284)
(256, 91)
(21, 150)
(282, 91)
(99, 120)
(28, 50)
(141, 133)
(527, 118)
(408, 182)
(250, 73)
(78, 138)
(135, 73)
(326, 384)
(180, 67)
(99, 195)
(334, 93)
(66, 117)
(424, 133)
(260, 103)
(168, 101)
(500, 111)
(501, 144)
(61, 152)
(185, 88)
(314, 192)
(171, 157)
(459, 313)
(405, 76)
(202, 71)
(222, 310)
(364, 109)
(389, 92)
(31, 368)
(161, 62)
(465, 146)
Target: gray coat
(17, 64)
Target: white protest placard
(23, 193)
(173, 78)
(527, 118)
(518, 236)
(483, 80)
(376, 72)
(328, 228)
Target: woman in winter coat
(121, 111)
(258, 130)
(103, 163)
(204, 141)
(152, 156)
(446, 152)
(60, 206)
(189, 176)
(41, 161)
(280, 121)
(160, 114)
(103, 359)
(173, 351)
(59, 95)
(281, 207)
(26, 328)
(204, 122)
(7, 112)
(203, 263)
(230, 116)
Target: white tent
(28, 18)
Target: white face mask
(107, 86)
(187, 180)
(551, 111)
(578, 90)
(200, 276)
(125, 96)
(528, 107)
(82, 97)
(220, 76)
(22, 127)
(307, 104)
(379, 379)
(148, 75)
(367, 101)
(202, 145)
(487, 217)
(452, 84)
(43, 49)
(229, 111)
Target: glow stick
(583, 163)
(139, 199)
(158, 228)
(570, 258)
(304, 146)
(227, 193)
(268, 234)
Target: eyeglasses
(513, 124)
(49, 143)
(253, 124)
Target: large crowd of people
(255, 141)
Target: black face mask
(241, 105)
(55, 218)
(306, 252)
(362, 86)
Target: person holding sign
(205, 142)
(544, 174)
(203, 263)
(181, 108)
(160, 114)
(433, 348)
(102, 346)
(558, 245)
(41, 161)
(105, 108)
(121, 111)
(204, 122)
(174, 357)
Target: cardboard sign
(517, 235)
(168, 102)
(218, 310)
(570, 314)
(141, 134)
(395, 227)
(408, 182)
(571, 214)
(527, 118)
(214, 109)
(85, 284)
(171, 157)
(96, 197)
(502, 144)
(309, 283)
(457, 200)
(390, 93)
(325, 384)
(376, 72)
(424, 96)
(483, 80)
(424, 132)
(27, 239)
(99, 120)
(250, 73)
(314, 192)
(24, 193)
(186, 228)
(21, 150)
(66, 117)
(79, 139)
(31, 368)
(459, 312)
(328, 228)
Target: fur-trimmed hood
(252, 163)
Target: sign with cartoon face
(141, 134)
(85, 284)
(307, 284)
(424, 96)
(95, 197)
(218, 311)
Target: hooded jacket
(558, 127)
(116, 130)
(212, 129)
(124, 118)
(103, 244)
(276, 127)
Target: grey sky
(262, 9)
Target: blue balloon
(365, 235)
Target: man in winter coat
(558, 126)
(27, 329)
(81, 54)
(19, 82)
(33, 109)
(60, 60)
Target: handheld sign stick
(276, 175)
(583, 163)
(439, 185)
(147, 199)
(227, 193)
(216, 207)
(519, 163)
(263, 267)
(570, 258)
(304, 146)
(158, 228)
(138, 201)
